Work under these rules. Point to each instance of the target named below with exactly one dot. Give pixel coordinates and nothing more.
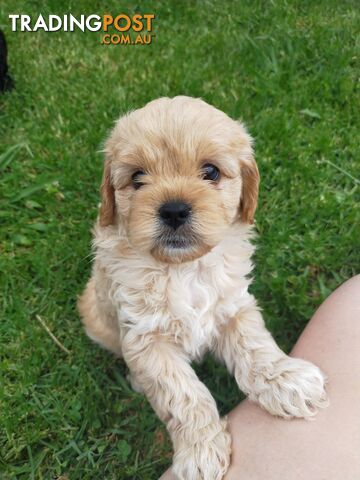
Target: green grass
(289, 70)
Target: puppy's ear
(250, 189)
(107, 209)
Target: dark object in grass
(6, 82)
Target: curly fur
(159, 307)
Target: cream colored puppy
(171, 275)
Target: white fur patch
(190, 300)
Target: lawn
(289, 70)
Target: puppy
(6, 82)
(171, 275)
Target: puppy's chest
(189, 301)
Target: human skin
(327, 447)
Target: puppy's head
(178, 173)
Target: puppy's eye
(210, 172)
(136, 179)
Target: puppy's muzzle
(174, 214)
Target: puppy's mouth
(175, 241)
(178, 246)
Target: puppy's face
(178, 173)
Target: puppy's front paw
(291, 387)
(208, 458)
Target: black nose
(174, 214)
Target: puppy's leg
(200, 439)
(284, 386)
(98, 314)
